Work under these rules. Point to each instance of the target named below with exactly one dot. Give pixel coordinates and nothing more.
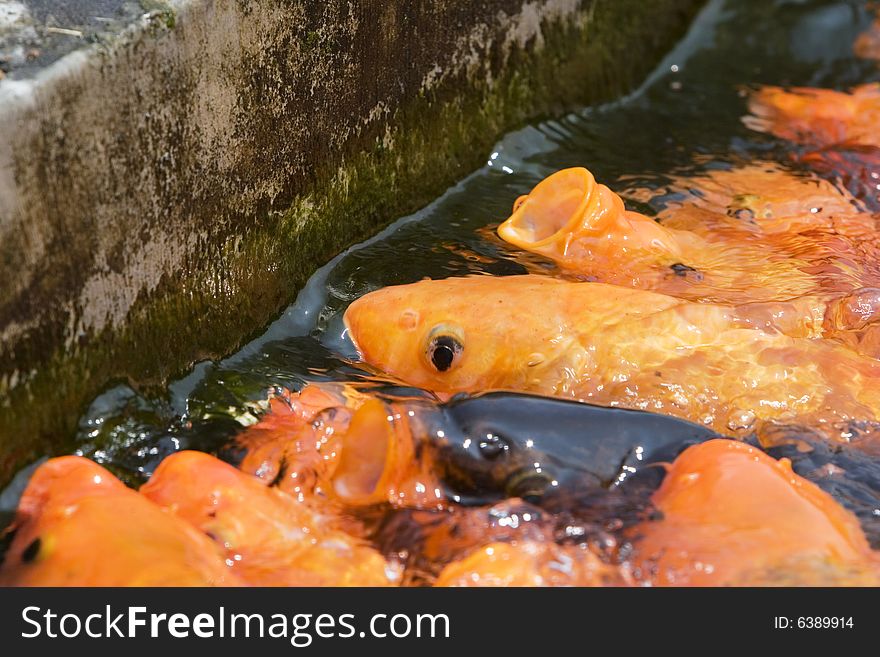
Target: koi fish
(803, 216)
(289, 447)
(818, 117)
(268, 538)
(765, 202)
(724, 367)
(836, 128)
(78, 525)
(731, 515)
(706, 248)
(499, 445)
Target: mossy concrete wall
(166, 186)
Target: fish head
(464, 334)
(757, 522)
(502, 444)
(583, 225)
(78, 525)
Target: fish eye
(444, 348)
(442, 352)
(492, 446)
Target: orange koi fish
(731, 515)
(78, 525)
(837, 130)
(584, 227)
(818, 117)
(750, 236)
(802, 216)
(294, 444)
(268, 537)
(763, 202)
(722, 366)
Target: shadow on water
(683, 120)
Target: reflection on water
(683, 121)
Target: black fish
(500, 445)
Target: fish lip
(350, 331)
(512, 232)
(361, 483)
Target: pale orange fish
(78, 525)
(789, 237)
(836, 130)
(722, 366)
(268, 537)
(294, 445)
(818, 117)
(731, 515)
(801, 216)
(745, 235)
(764, 202)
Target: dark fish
(500, 445)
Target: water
(685, 119)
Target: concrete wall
(169, 177)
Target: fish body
(731, 515)
(818, 117)
(836, 131)
(746, 235)
(724, 367)
(334, 445)
(77, 525)
(295, 443)
(762, 201)
(268, 537)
